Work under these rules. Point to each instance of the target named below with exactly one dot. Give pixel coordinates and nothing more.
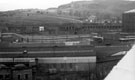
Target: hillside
(33, 17)
(73, 12)
(99, 8)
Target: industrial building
(86, 28)
(15, 72)
(52, 62)
(128, 21)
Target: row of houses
(67, 28)
(91, 27)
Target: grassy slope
(101, 8)
(34, 18)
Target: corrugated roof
(130, 11)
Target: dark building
(4, 72)
(128, 21)
(11, 37)
(101, 27)
(16, 72)
(66, 28)
(21, 72)
(91, 27)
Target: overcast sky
(24, 4)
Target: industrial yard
(79, 40)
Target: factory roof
(130, 11)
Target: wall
(128, 22)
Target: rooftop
(130, 11)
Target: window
(70, 65)
(62, 65)
(1, 77)
(19, 77)
(7, 76)
(26, 76)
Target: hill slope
(33, 17)
(67, 13)
(100, 8)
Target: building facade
(16, 72)
(85, 28)
(128, 21)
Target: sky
(24, 4)
(27, 4)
